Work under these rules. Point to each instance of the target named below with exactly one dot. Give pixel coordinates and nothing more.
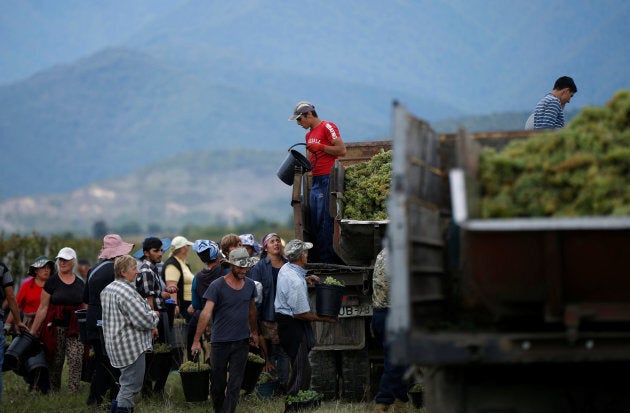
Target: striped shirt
(292, 291)
(548, 113)
(127, 323)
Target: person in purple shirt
(230, 302)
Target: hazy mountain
(203, 188)
(111, 87)
(39, 34)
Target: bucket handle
(302, 143)
(196, 359)
(294, 145)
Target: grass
(16, 399)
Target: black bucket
(170, 311)
(328, 299)
(21, 348)
(196, 385)
(251, 375)
(287, 169)
(417, 399)
(159, 365)
(82, 321)
(266, 390)
(5, 366)
(38, 361)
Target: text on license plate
(355, 310)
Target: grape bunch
(367, 186)
(581, 170)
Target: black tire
(356, 377)
(325, 374)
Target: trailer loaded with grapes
(508, 258)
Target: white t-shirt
(529, 123)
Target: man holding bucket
(325, 145)
(293, 314)
(230, 303)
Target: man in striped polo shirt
(549, 112)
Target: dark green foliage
(191, 366)
(162, 348)
(18, 251)
(333, 281)
(581, 170)
(255, 358)
(302, 396)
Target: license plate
(361, 310)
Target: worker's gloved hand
(314, 146)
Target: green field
(16, 399)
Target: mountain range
(93, 92)
(206, 188)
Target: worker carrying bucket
(324, 145)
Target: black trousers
(105, 377)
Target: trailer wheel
(325, 374)
(356, 375)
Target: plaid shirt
(149, 283)
(127, 323)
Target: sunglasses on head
(300, 116)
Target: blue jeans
(322, 224)
(131, 379)
(392, 385)
(227, 357)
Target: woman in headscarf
(208, 252)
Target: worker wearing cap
(230, 303)
(293, 314)
(325, 145)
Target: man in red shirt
(324, 144)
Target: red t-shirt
(324, 133)
(28, 296)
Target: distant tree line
(19, 251)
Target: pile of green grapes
(367, 186)
(581, 170)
